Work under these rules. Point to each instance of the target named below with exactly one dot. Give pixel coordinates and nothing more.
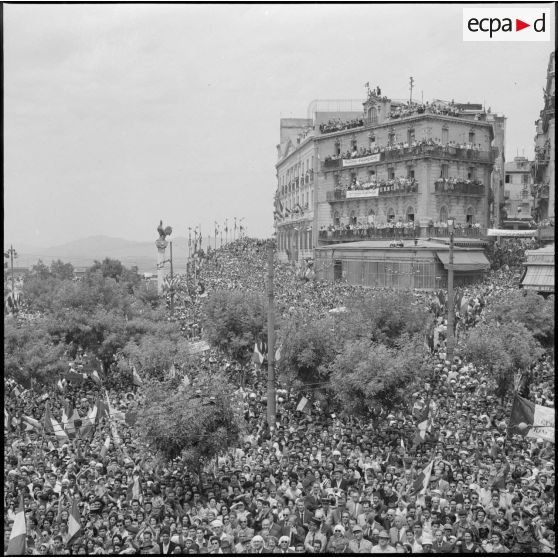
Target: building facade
(393, 165)
(543, 166)
(518, 198)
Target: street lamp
(450, 343)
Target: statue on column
(161, 244)
(163, 233)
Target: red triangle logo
(519, 25)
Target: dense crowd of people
(315, 484)
(337, 125)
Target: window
(471, 173)
(354, 145)
(470, 216)
(411, 136)
(391, 173)
(444, 171)
(507, 178)
(506, 194)
(336, 219)
(471, 137)
(391, 214)
(353, 219)
(525, 179)
(371, 216)
(373, 115)
(391, 138)
(372, 139)
(410, 213)
(337, 148)
(524, 193)
(410, 172)
(445, 136)
(443, 214)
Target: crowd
(338, 125)
(316, 483)
(445, 109)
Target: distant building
(387, 165)
(543, 166)
(518, 198)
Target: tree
(531, 309)
(234, 321)
(502, 349)
(307, 350)
(383, 317)
(195, 425)
(366, 374)
(62, 270)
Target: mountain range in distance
(83, 253)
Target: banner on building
(506, 232)
(372, 193)
(362, 160)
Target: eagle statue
(163, 232)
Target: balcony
(452, 187)
(396, 233)
(388, 188)
(540, 191)
(447, 152)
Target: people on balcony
(416, 147)
(338, 125)
(412, 109)
(386, 186)
(459, 185)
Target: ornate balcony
(396, 187)
(459, 186)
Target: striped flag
(304, 406)
(105, 447)
(74, 523)
(31, 422)
(136, 379)
(425, 423)
(53, 426)
(421, 482)
(134, 490)
(18, 536)
(73, 425)
(258, 356)
(532, 420)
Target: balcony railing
(392, 187)
(456, 186)
(388, 233)
(447, 152)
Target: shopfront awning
(465, 261)
(539, 278)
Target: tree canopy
(198, 426)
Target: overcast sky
(119, 115)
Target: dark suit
(170, 549)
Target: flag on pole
(421, 482)
(74, 523)
(536, 421)
(18, 536)
(52, 426)
(134, 490)
(60, 385)
(258, 356)
(136, 379)
(73, 425)
(304, 406)
(105, 447)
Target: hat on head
(357, 528)
(383, 535)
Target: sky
(119, 115)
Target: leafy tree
(233, 321)
(502, 349)
(307, 350)
(197, 425)
(62, 270)
(366, 374)
(115, 270)
(383, 317)
(30, 353)
(531, 309)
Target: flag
(102, 410)
(52, 426)
(18, 536)
(60, 385)
(172, 372)
(74, 524)
(96, 378)
(258, 356)
(538, 420)
(136, 379)
(421, 482)
(31, 422)
(66, 414)
(186, 380)
(278, 354)
(134, 490)
(304, 406)
(424, 422)
(105, 447)
(74, 424)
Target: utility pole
(12, 254)
(271, 403)
(171, 283)
(234, 230)
(411, 81)
(226, 230)
(450, 340)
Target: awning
(539, 278)
(465, 261)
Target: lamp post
(450, 343)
